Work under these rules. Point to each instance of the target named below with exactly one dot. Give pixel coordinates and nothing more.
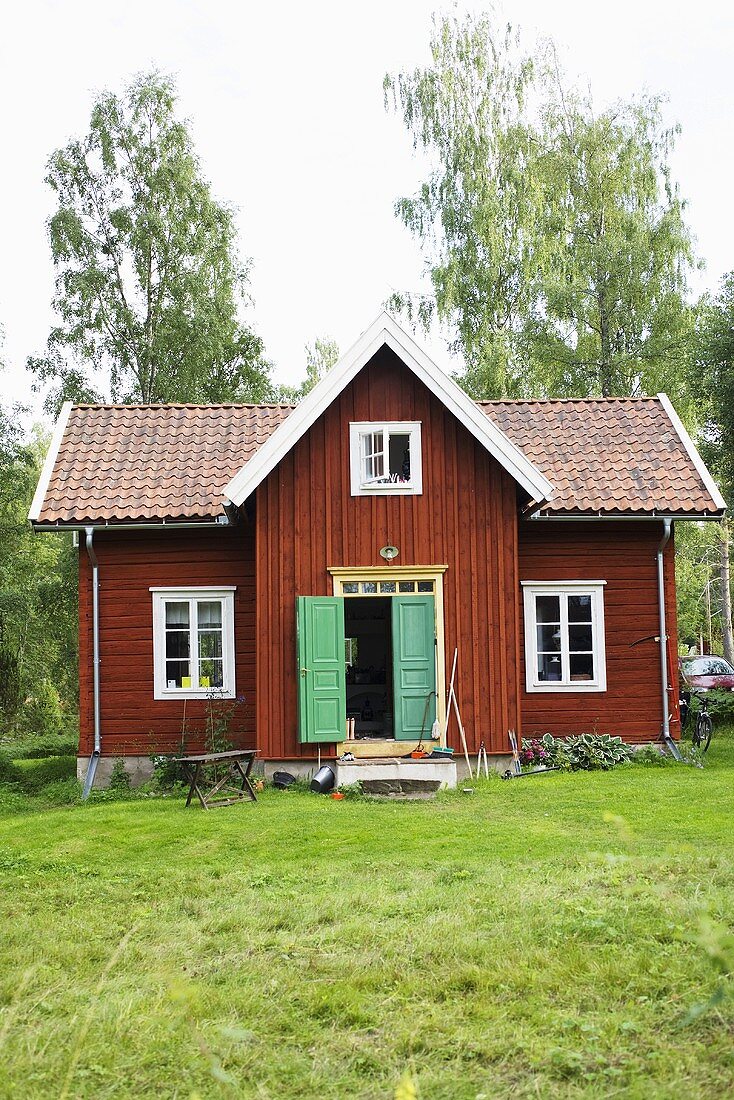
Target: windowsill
(551, 686)
(195, 693)
(393, 490)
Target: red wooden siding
(133, 722)
(466, 519)
(625, 556)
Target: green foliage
(586, 752)
(712, 379)
(41, 748)
(167, 773)
(147, 282)
(720, 704)
(651, 757)
(320, 358)
(38, 598)
(43, 712)
(119, 777)
(554, 234)
(9, 770)
(590, 751)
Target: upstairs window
(193, 643)
(385, 458)
(564, 636)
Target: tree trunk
(724, 580)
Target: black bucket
(283, 780)
(323, 781)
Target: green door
(322, 687)
(414, 666)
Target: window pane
(549, 666)
(549, 639)
(582, 666)
(374, 459)
(369, 587)
(351, 586)
(178, 674)
(425, 586)
(177, 643)
(579, 609)
(209, 613)
(548, 609)
(177, 613)
(387, 586)
(399, 456)
(579, 638)
(406, 586)
(210, 673)
(210, 643)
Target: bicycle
(704, 726)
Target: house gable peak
(385, 332)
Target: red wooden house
(326, 561)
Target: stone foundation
(139, 768)
(442, 773)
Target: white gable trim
(384, 330)
(53, 450)
(692, 452)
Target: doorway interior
(369, 665)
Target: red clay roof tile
(608, 455)
(145, 463)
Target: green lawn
(541, 938)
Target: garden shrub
(585, 752)
(167, 772)
(592, 751)
(119, 778)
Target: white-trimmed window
(564, 636)
(385, 458)
(193, 642)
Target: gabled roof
(145, 463)
(384, 331)
(611, 456)
(179, 463)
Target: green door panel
(414, 666)
(322, 688)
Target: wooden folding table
(233, 786)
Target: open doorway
(369, 661)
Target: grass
(555, 937)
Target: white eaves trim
(711, 486)
(50, 462)
(385, 330)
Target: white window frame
(357, 432)
(224, 593)
(595, 589)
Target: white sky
(285, 102)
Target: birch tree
(554, 235)
(149, 289)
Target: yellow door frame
(342, 575)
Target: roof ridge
(563, 400)
(187, 405)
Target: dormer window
(385, 458)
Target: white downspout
(665, 733)
(94, 759)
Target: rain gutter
(94, 758)
(667, 740)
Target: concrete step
(396, 776)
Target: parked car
(701, 673)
